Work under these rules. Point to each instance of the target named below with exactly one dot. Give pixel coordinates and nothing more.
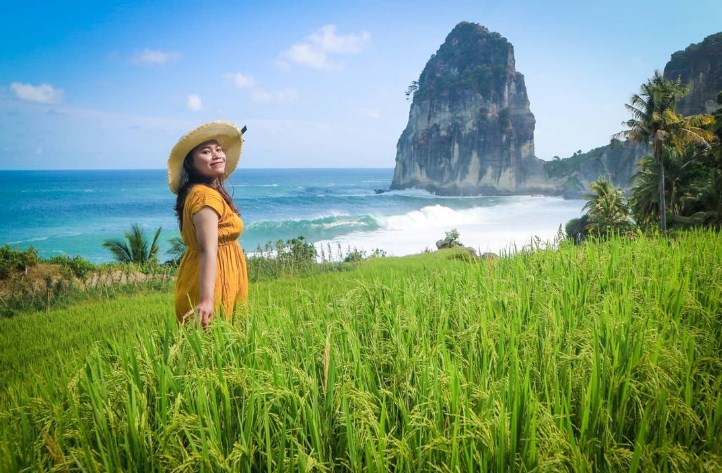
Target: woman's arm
(206, 225)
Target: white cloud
(155, 57)
(257, 93)
(315, 50)
(194, 103)
(242, 81)
(43, 93)
(283, 96)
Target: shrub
(378, 253)
(576, 228)
(12, 260)
(452, 238)
(301, 251)
(292, 257)
(354, 255)
(75, 265)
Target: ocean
(73, 212)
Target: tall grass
(599, 357)
(296, 257)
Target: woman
(212, 275)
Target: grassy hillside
(598, 357)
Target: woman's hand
(203, 313)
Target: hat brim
(228, 135)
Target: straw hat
(228, 135)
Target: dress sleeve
(203, 196)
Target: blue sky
(113, 85)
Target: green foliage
(292, 257)
(504, 119)
(471, 60)
(711, 46)
(354, 256)
(74, 265)
(411, 91)
(607, 209)
(135, 248)
(563, 167)
(300, 250)
(592, 357)
(693, 188)
(176, 251)
(451, 239)
(378, 253)
(654, 121)
(16, 260)
(576, 229)
(81, 281)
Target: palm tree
(607, 207)
(135, 248)
(645, 192)
(177, 249)
(709, 199)
(654, 121)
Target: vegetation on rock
(471, 60)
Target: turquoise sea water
(72, 212)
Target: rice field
(600, 357)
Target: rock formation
(699, 66)
(470, 130)
(617, 161)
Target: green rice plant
(603, 356)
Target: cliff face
(700, 67)
(470, 130)
(617, 161)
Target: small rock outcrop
(470, 129)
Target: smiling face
(209, 160)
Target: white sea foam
(254, 185)
(497, 228)
(28, 240)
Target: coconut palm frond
(119, 249)
(154, 247)
(177, 248)
(135, 248)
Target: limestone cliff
(699, 66)
(470, 129)
(616, 161)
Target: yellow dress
(231, 286)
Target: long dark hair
(189, 178)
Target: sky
(114, 85)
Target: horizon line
(165, 169)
